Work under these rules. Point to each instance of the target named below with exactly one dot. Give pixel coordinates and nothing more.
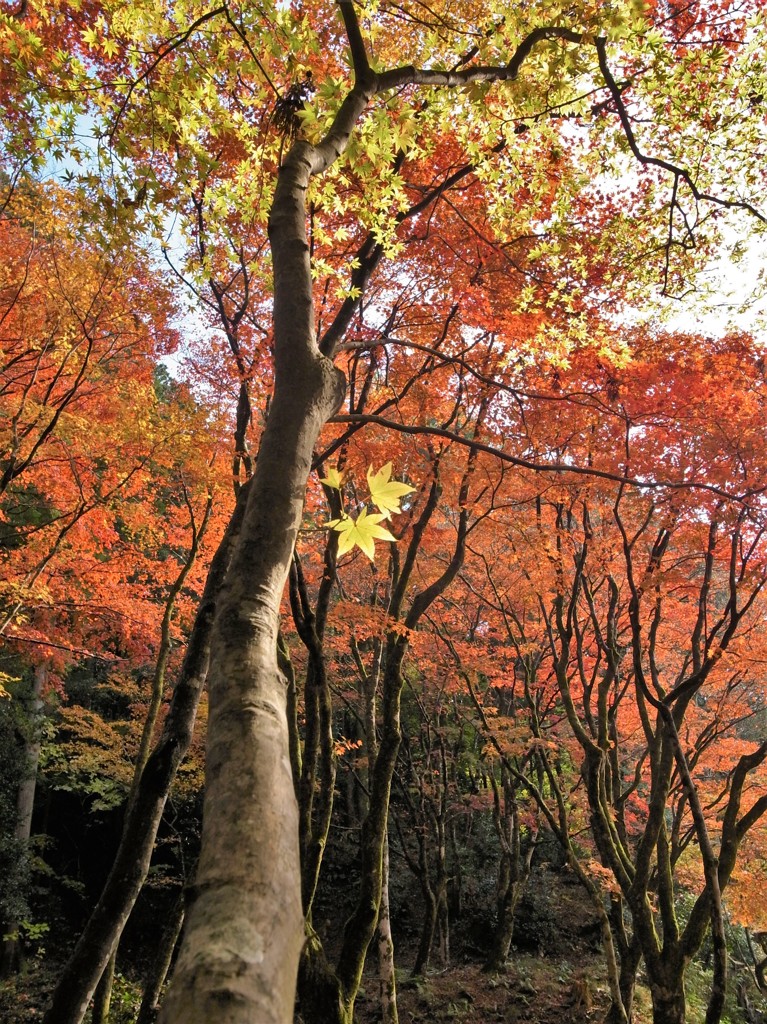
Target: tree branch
(409, 75)
(679, 173)
(540, 467)
(360, 61)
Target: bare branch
(543, 467)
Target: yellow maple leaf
(334, 479)
(361, 532)
(385, 492)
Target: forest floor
(532, 990)
(555, 973)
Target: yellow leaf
(334, 479)
(362, 532)
(385, 492)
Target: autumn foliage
(334, 379)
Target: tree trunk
(319, 989)
(630, 957)
(665, 977)
(239, 957)
(360, 927)
(668, 1004)
(322, 991)
(504, 929)
(328, 997)
(428, 928)
(513, 870)
(621, 1014)
(386, 973)
(81, 975)
(150, 1003)
(456, 876)
(25, 802)
(102, 997)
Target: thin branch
(246, 42)
(174, 45)
(654, 161)
(543, 467)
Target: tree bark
(506, 910)
(386, 973)
(102, 997)
(668, 998)
(630, 952)
(81, 975)
(428, 928)
(513, 870)
(239, 958)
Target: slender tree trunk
(456, 879)
(102, 997)
(324, 992)
(631, 954)
(328, 996)
(443, 909)
(25, 802)
(513, 870)
(81, 975)
(26, 797)
(428, 928)
(506, 907)
(386, 973)
(430, 890)
(150, 1003)
(628, 980)
(361, 925)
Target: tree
(104, 462)
(634, 620)
(244, 928)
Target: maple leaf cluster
(366, 529)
